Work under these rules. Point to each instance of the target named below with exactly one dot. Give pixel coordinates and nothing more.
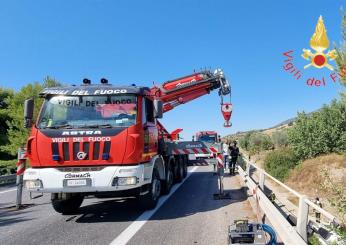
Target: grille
(68, 150)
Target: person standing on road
(225, 152)
(234, 151)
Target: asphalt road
(190, 215)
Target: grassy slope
(307, 177)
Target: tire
(67, 206)
(185, 160)
(168, 182)
(151, 197)
(180, 171)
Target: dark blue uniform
(234, 152)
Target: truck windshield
(88, 111)
(211, 138)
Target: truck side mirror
(158, 109)
(28, 112)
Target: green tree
(341, 52)
(244, 141)
(260, 142)
(50, 82)
(321, 132)
(5, 94)
(255, 142)
(16, 133)
(280, 139)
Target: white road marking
(136, 225)
(8, 191)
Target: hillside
(323, 176)
(309, 178)
(269, 131)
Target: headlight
(122, 181)
(33, 184)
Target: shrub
(259, 142)
(255, 142)
(280, 139)
(244, 141)
(338, 200)
(7, 166)
(279, 162)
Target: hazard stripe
(20, 172)
(175, 151)
(205, 150)
(195, 150)
(20, 169)
(220, 161)
(186, 151)
(191, 151)
(213, 149)
(20, 162)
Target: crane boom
(182, 90)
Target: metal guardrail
(7, 179)
(304, 202)
(284, 229)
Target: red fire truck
(105, 140)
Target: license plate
(76, 182)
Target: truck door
(150, 130)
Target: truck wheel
(68, 205)
(180, 171)
(150, 199)
(185, 160)
(168, 182)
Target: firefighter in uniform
(234, 152)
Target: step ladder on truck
(104, 140)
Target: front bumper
(110, 178)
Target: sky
(149, 41)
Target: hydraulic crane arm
(185, 89)
(182, 90)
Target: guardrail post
(20, 172)
(248, 166)
(302, 219)
(262, 178)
